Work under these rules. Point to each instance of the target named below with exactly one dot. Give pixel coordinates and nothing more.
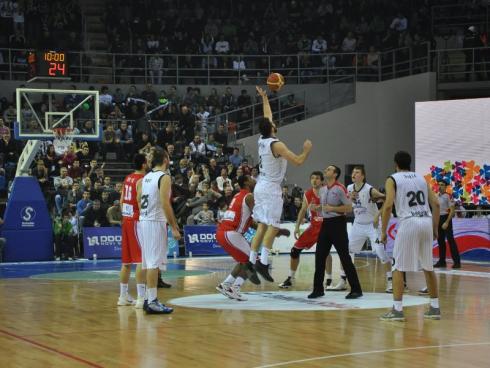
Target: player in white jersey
(412, 196)
(364, 198)
(273, 158)
(154, 192)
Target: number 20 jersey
(150, 205)
(412, 198)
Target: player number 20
(416, 198)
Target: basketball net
(63, 138)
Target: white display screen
(452, 142)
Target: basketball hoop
(63, 137)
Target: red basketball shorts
(131, 250)
(309, 236)
(234, 244)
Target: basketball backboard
(39, 111)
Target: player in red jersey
(309, 237)
(131, 251)
(229, 234)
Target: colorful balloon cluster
(468, 182)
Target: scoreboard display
(48, 64)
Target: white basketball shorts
(268, 203)
(413, 245)
(152, 236)
(358, 235)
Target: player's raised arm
(265, 102)
(280, 149)
(138, 192)
(165, 188)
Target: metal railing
(98, 67)
(461, 65)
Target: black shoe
(263, 270)
(440, 264)
(163, 285)
(316, 294)
(456, 265)
(328, 283)
(252, 274)
(354, 295)
(286, 284)
(145, 305)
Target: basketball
(275, 81)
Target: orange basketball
(275, 81)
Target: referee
(446, 228)
(335, 203)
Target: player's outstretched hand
(283, 232)
(261, 91)
(176, 234)
(307, 146)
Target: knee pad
(295, 252)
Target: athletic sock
(253, 256)
(329, 276)
(229, 280)
(123, 289)
(264, 256)
(239, 281)
(292, 273)
(141, 288)
(389, 275)
(151, 293)
(434, 303)
(398, 305)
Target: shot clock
(48, 64)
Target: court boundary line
(50, 349)
(325, 357)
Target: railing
(461, 65)
(97, 67)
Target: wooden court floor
(66, 323)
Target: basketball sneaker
(140, 302)
(155, 307)
(125, 300)
(432, 313)
(252, 274)
(263, 270)
(393, 315)
(236, 294)
(286, 283)
(341, 286)
(225, 289)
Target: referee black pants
(441, 240)
(334, 232)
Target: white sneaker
(389, 287)
(236, 294)
(139, 303)
(126, 300)
(225, 289)
(341, 286)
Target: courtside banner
(201, 240)
(472, 237)
(106, 242)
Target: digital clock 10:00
(54, 56)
